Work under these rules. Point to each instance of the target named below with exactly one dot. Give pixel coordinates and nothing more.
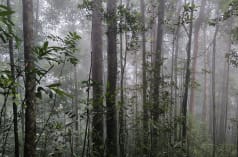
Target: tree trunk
(225, 90)
(144, 84)
(214, 90)
(187, 81)
(175, 73)
(97, 77)
(236, 128)
(121, 112)
(36, 24)
(111, 141)
(30, 83)
(205, 87)
(12, 63)
(76, 108)
(157, 78)
(197, 27)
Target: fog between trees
(119, 78)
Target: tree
(144, 82)
(197, 26)
(97, 78)
(122, 124)
(30, 80)
(187, 77)
(157, 78)
(111, 141)
(76, 108)
(14, 106)
(205, 60)
(214, 88)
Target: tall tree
(30, 80)
(225, 89)
(197, 26)
(12, 64)
(76, 108)
(97, 77)
(111, 141)
(187, 78)
(157, 78)
(214, 88)
(206, 60)
(144, 82)
(122, 107)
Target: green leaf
(61, 92)
(54, 85)
(45, 46)
(6, 13)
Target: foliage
(129, 20)
(60, 54)
(5, 23)
(232, 58)
(87, 5)
(6, 81)
(56, 118)
(186, 15)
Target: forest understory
(119, 78)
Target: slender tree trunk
(137, 143)
(12, 63)
(76, 109)
(237, 128)
(151, 75)
(124, 142)
(5, 139)
(157, 78)
(175, 75)
(144, 84)
(172, 107)
(222, 122)
(36, 24)
(111, 141)
(197, 27)
(214, 90)
(97, 77)
(30, 83)
(187, 81)
(205, 97)
(227, 98)
(121, 112)
(227, 80)
(3, 124)
(237, 140)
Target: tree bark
(214, 90)
(205, 97)
(237, 128)
(225, 90)
(30, 80)
(97, 77)
(111, 141)
(187, 81)
(14, 106)
(144, 84)
(157, 78)
(121, 112)
(76, 108)
(197, 27)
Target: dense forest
(119, 78)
